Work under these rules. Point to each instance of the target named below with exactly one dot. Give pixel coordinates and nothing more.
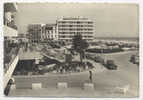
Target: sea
(131, 39)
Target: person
(90, 76)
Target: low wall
(23, 82)
(10, 71)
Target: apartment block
(35, 32)
(49, 32)
(68, 27)
(64, 30)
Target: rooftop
(29, 55)
(74, 18)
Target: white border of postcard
(140, 2)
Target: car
(111, 65)
(132, 59)
(99, 59)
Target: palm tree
(79, 45)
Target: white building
(49, 32)
(68, 27)
(64, 29)
(42, 32)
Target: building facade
(10, 28)
(35, 32)
(49, 32)
(11, 47)
(68, 27)
(64, 30)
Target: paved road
(127, 72)
(105, 82)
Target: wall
(23, 82)
(8, 74)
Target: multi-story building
(10, 29)
(35, 32)
(64, 29)
(68, 27)
(10, 42)
(49, 32)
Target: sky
(111, 20)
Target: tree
(79, 45)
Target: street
(105, 81)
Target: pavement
(106, 82)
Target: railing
(12, 25)
(9, 57)
(10, 71)
(10, 31)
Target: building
(49, 32)
(42, 32)
(22, 35)
(10, 29)
(35, 32)
(68, 27)
(11, 47)
(64, 29)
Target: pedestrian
(90, 76)
(61, 70)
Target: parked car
(111, 65)
(89, 56)
(99, 59)
(134, 59)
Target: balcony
(10, 7)
(10, 31)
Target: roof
(30, 55)
(78, 18)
